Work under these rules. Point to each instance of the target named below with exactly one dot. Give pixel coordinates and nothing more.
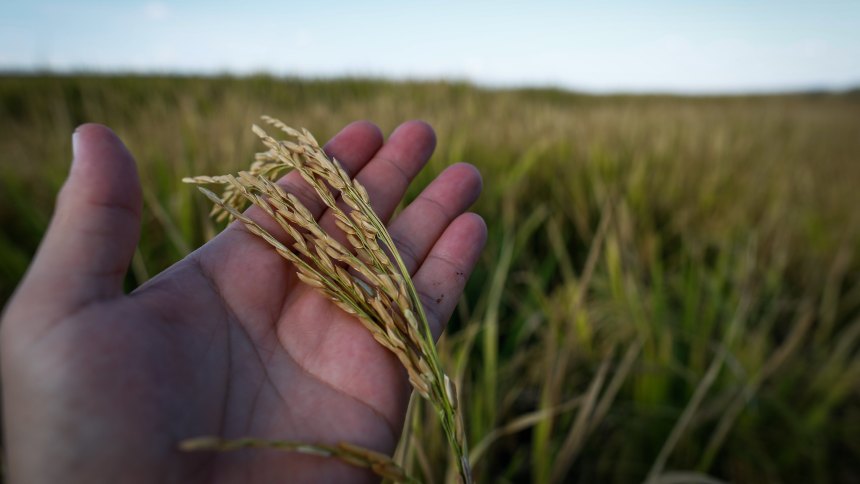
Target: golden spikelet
(367, 279)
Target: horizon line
(824, 88)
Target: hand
(99, 386)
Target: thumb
(96, 224)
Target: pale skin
(100, 386)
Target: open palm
(99, 386)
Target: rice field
(671, 287)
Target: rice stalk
(368, 279)
(380, 464)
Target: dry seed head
(410, 318)
(347, 229)
(264, 205)
(382, 311)
(365, 287)
(451, 390)
(380, 293)
(337, 184)
(299, 207)
(292, 147)
(310, 138)
(324, 260)
(280, 125)
(343, 277)
(297, 237)
(311, 281)
(362, 192)
(354, 240)
(290, 256)
(345, 307)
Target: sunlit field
(671, 287)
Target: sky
(693, 46)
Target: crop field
(671, 287)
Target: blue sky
(680, 46)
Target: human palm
(99, 386)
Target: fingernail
(74, 146)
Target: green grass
(670, 285)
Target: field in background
(670, 288)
